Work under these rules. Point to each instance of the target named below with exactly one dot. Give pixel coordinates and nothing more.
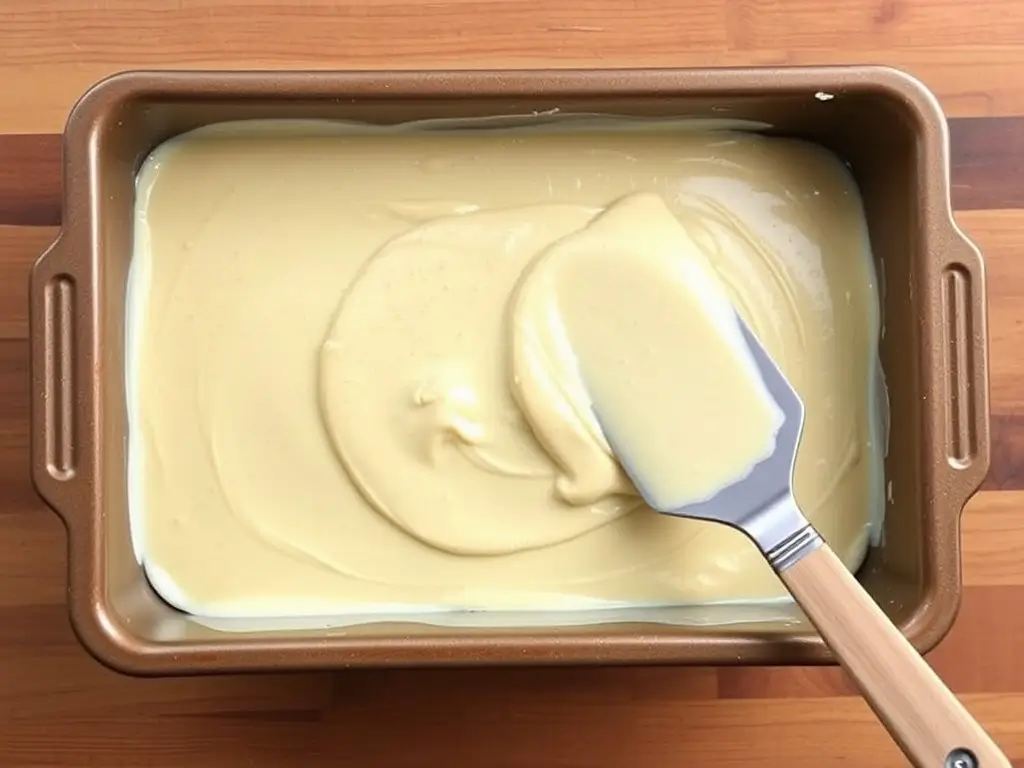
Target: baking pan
(885, 124)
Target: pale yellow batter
(346, 394)
(626, 320)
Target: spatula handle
(925, 718)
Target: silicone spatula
(925, 718)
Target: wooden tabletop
(59, 707)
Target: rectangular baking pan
(885, 124)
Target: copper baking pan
(887, 126)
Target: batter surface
(347, 393)
(598, 323)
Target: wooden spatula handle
(924, 717)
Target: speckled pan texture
(886, 125)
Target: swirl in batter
(348, 392)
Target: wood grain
(53, 49)
(30, 179)
(984, 155)
(58, 707)
(19, 247)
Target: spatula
(925, 718)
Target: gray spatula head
(762, 503)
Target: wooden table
(59, 707)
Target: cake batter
(343, 398)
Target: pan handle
(63, 409)
(963, 340)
